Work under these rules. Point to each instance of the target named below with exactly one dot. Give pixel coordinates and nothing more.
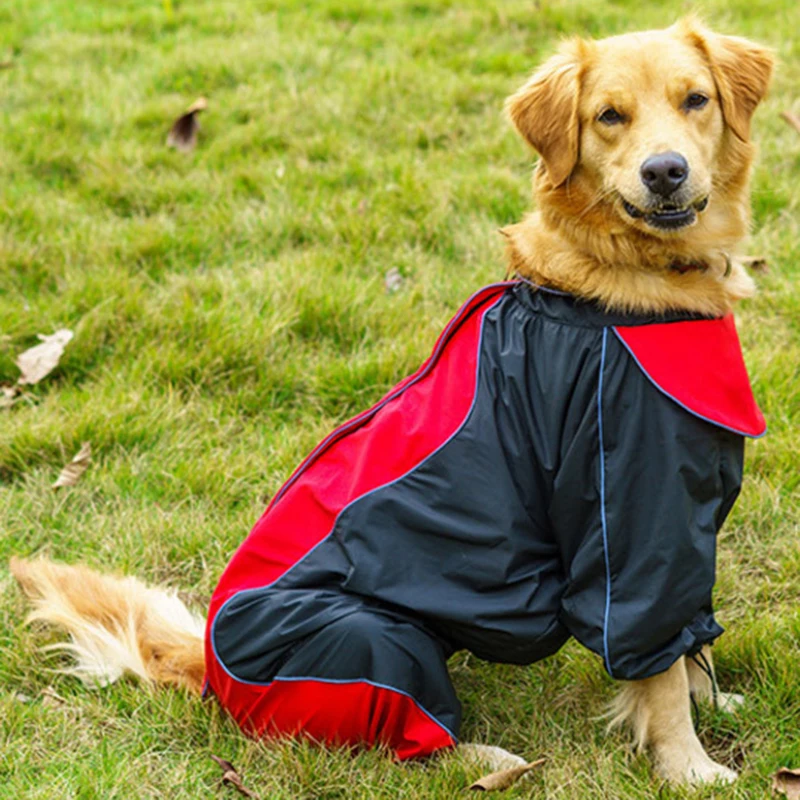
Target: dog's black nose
(664, 173)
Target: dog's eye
(610, 117)
(695, 100)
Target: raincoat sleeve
(637, 520)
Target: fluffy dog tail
(116, 625)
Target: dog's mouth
(668, 216)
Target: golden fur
(581, 240)
(116, 625)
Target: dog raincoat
(552, 470)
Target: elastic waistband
(571, 310)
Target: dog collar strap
(699, 365)
(682, 267)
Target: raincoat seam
(603, 519)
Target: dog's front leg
(659, 710)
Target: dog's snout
(662, 174)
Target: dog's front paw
(692, 766)
(710, 773)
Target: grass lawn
(229, 309)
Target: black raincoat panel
(576, 499)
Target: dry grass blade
(792, 119)
(230, 775)
(72, 472)
(41, 360)
(498, 781)
(183, 133)
(51, 698)
(787, 781)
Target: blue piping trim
(606, 656)
(290, 679)
(212, 635)
(678, 402)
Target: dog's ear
(545, 111)
(742, 71)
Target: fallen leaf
(230, 775)
(755, 263)
(22, 698)
(787, 781)
(72, 472)
(505, 778)
(393, 281)
(183, 133)
(792, 119)
(41, 360)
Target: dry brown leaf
(505, 778)
(72, 472)
(183, 133)
(230, 775)
(792, 119)
(787, 781)
(41, 360)
(755, 263)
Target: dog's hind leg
(659, 711)
(702, 683)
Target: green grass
(229, 310)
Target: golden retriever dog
(612, 121)
(641, 196)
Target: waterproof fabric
(551, 471)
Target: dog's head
(649, 130)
